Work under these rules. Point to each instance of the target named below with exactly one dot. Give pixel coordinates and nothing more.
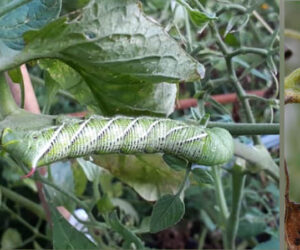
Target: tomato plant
(129, 67)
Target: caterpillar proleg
(127, 135)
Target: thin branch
(61, 190)
(247, 50)
(247, 129)
(24, 222)
(264, 23)
(21, 200)
(238, 183)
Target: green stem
(247, 129)
(216, 170)
(96, 193)
(221, 201)
(11, 6)
(7, 102)
(233, 78)
(236, 7)
(71, 197)
(22, 88)
(246, 50)
(61, 190)
(199, 5)
(238, 183)
(188, 31)
(41, 82)
(259, 98)
(241, 94)
(202, 237)
(186, 176)
(25, 223)
(21, 200)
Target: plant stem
(221, 201)
(7, 103)
(21, 200)
(236, 7)
(202, 237)
(246, 50)
(241, 94)
(216, 170)
(259, 98)
(61, 92)
(247, 129)
(264, 23)
(96, 193)
(186, 177)
(188, 31)
(25, 223)
(238, 183)
(11, 6)
(70, 196)
(233, 78)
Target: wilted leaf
(167, 211)
(147, 174)
(258, 157)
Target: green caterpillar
(100, 135)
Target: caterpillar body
(100, 135)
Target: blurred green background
(292, 111)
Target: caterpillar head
(218, 149)
(14, 143)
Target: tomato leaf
(167, 211)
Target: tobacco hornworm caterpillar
(100, 135)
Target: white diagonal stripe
(47, 146)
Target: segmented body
(100, 135)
